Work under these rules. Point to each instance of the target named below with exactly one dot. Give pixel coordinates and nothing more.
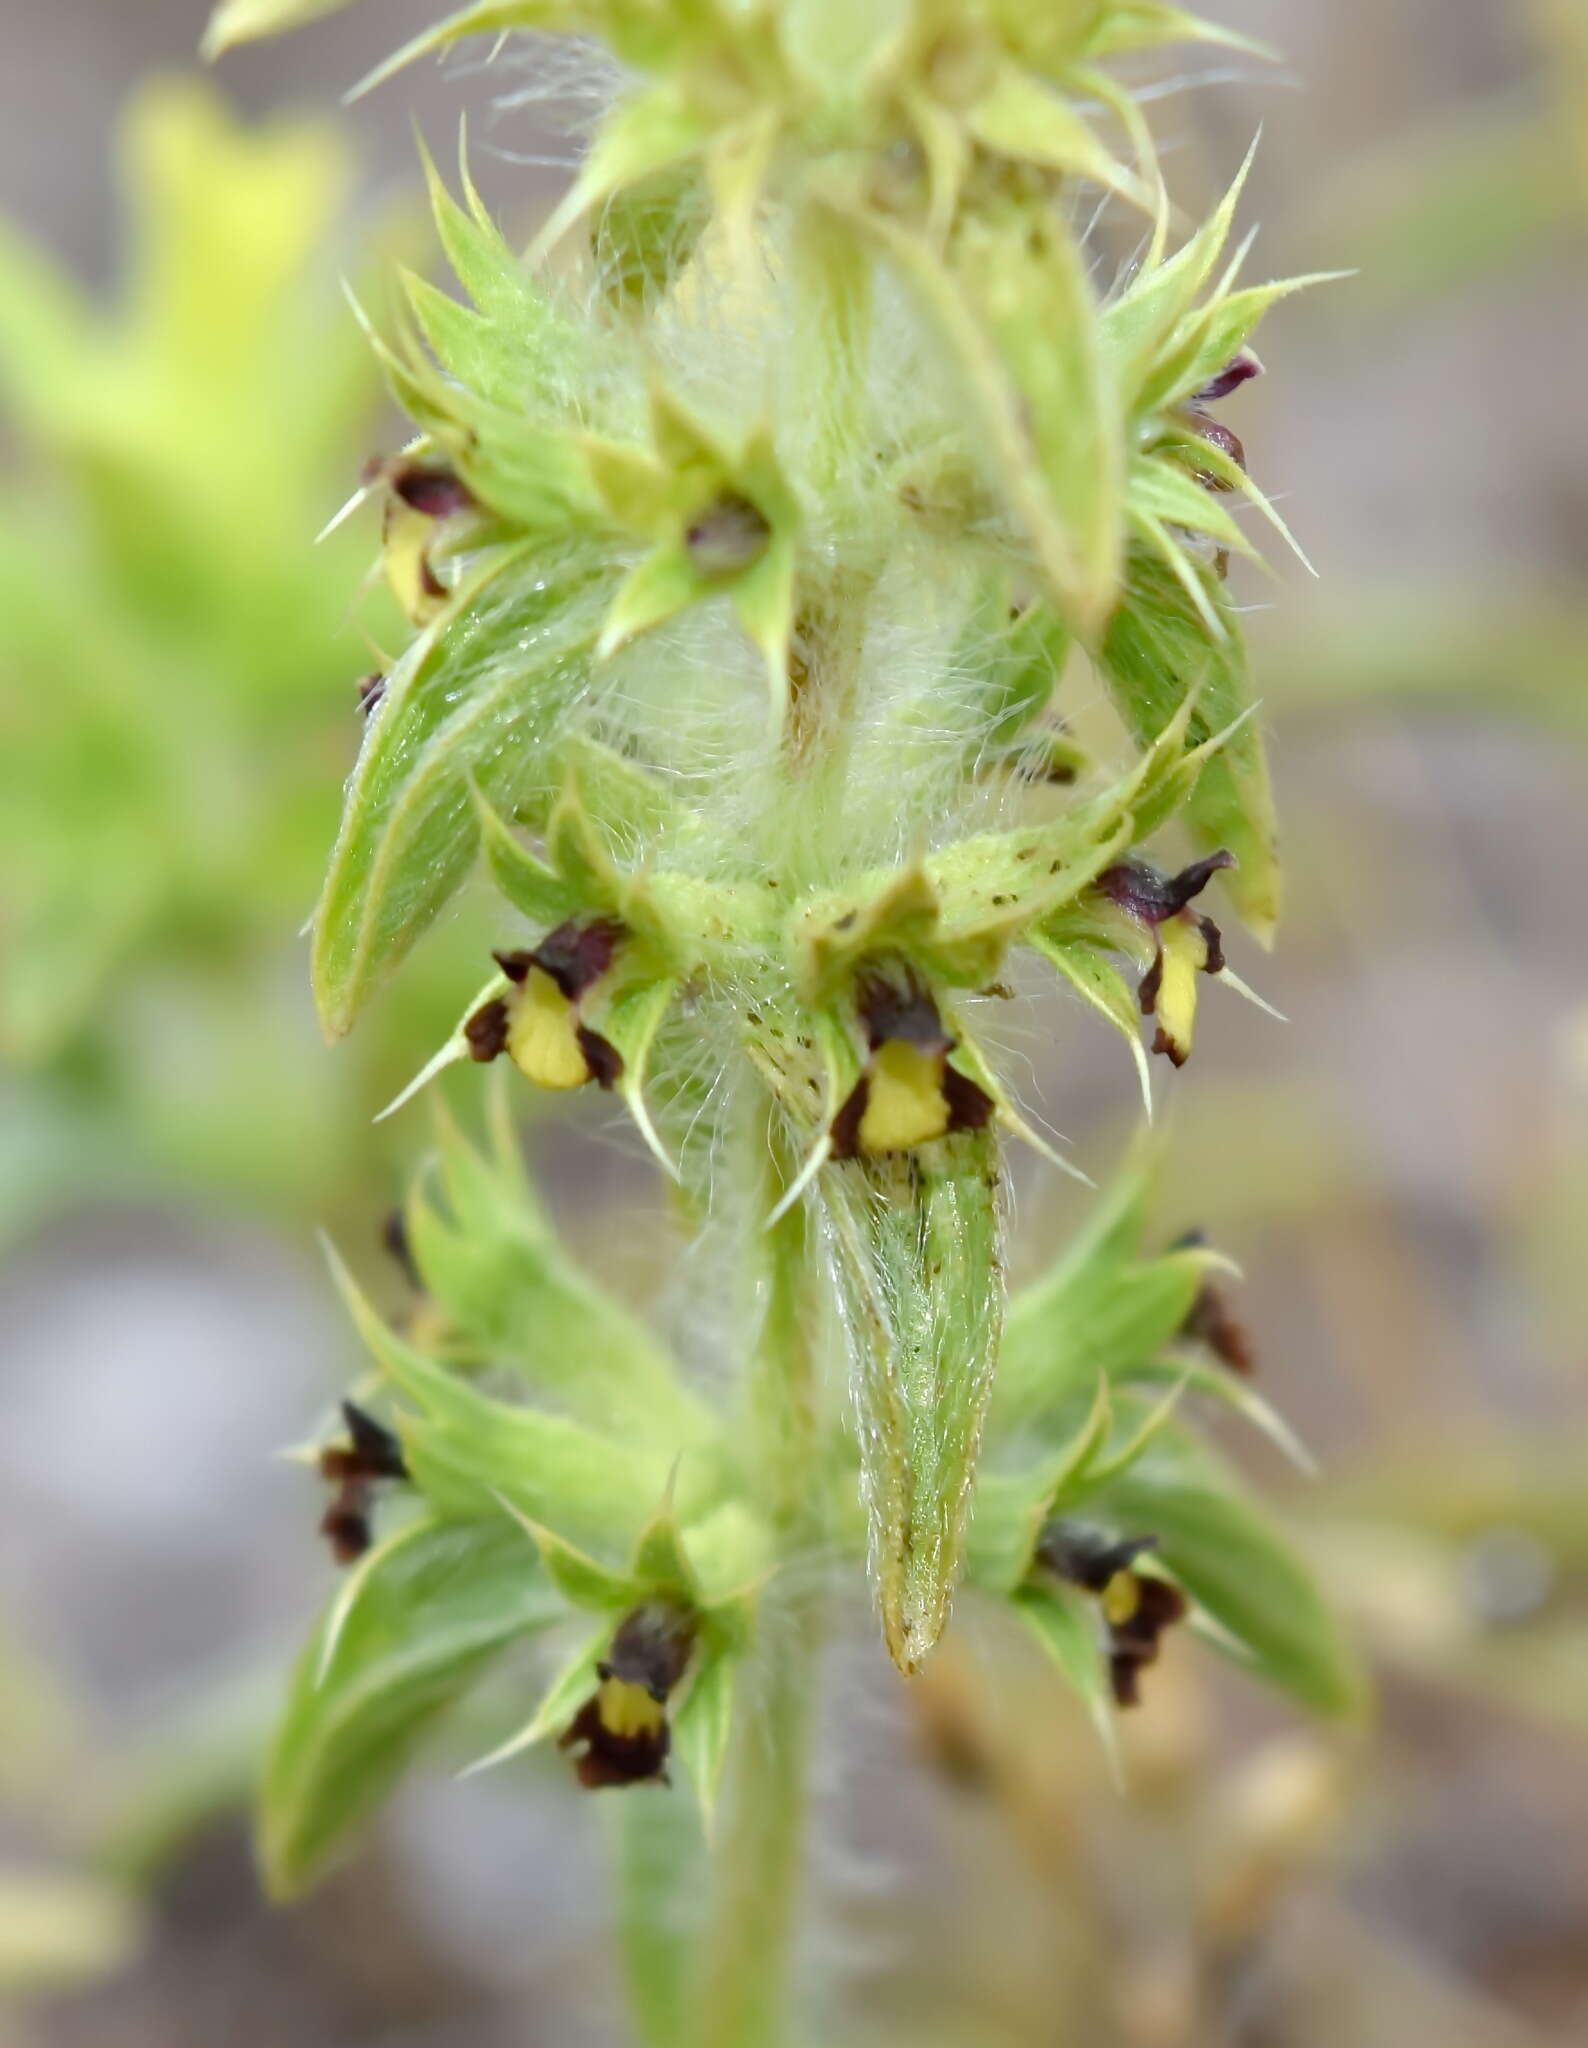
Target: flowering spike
(830, 408)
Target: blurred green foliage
(177, 668)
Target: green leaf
(496, 279)
(1098, 982)
(703, 1723)
(1235, 1564)
(1143, 24)
(1102, 1309)
(247, 21)
(656, 131)
(468, 1452)
(582, 1580)
(1156, 650)
(485, 17)
(1211, 337)
(1011, 1507)
(535, 890)
(474, 704)
(1138, 324)
(836, 45)
(918, 1247)
(1022, 118)
(646, 234)
(436, 1606)
(1162, 493)
(1067, 1630)
(488, 1253)
(1017, 320)
(1218, 1382)
(569, 1687)
(656, 589)
(660, 1563)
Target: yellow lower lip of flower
(905, 1102)
(542, 1034)
(405, 557)
(628, 1710)
(1185, 953)
(1120, 1598)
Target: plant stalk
(756, 1881)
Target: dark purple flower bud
(394, 1241)
(371, 1454)
(1151, 895)
(1225, 439)
(435, 492)
(1087, 1556)
(486, 1030)
(575, 955)
(1241, 366)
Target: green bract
(758, 531)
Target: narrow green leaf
(1211, 337)
(1011, 1507)
(1067, 1630)
(473, 704)
(918, 1247)
(535, 890)
(1021, 118)
(703, 1724)
(1136, 325)
(661, 1563)
(656, 589)
(1102, 1309)
(1219, 1383)
(247, 21)
(1098, 982)
(1016, 318)
(1164, 493)
(484, 18)
(1157, 648)
(468, 1451)
(573, 1681)
(442, 1602)
(582, 1580)
(1053, 429)
(467, 345)
(488, 1254)
(1143, 24)
(1237, 1566)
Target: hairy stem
(757, 1879)
(660, 1869)
(757, 1876)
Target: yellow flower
(907, 1093)
(538, 1022)
(623, 1726)
(1184, 944)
